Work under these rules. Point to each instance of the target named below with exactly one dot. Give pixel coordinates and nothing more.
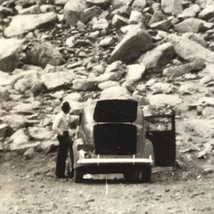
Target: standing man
(61, 127)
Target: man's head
(66, 107)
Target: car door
(161, 132)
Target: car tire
(78, 175)
(146, 174)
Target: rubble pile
(159, 52)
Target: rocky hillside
(160, 52)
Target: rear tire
(78, 175)
(146, 174)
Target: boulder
(158, 14)
(9, 53)
(5, 79)
(132, 45)
(135, 72)
(190, 50)
(179, 70)
(4, 94)
(116, 92)
(35, 9)
(18, 140)
(18, 121)
(38, 88)
(208, 12)
(208, 112)
(188, 89)
(139, 5)
(164, 99)
(90, 13)
(190, 12)
(204, 128)
(114, 67)
(173, 7)
(26, 108)
(40, 133)
(42, 54)
(162, 88)
(203, 3)
(193, 25)
(119, 21)
(196, 37)
(49, 146)
(104, 4)
(29, 153)
(136, 17)
(158, 56)
(73, 11)
(107, 41)
(84, 84)
(73, 97)
(164, 25)
(53, 81)
(119, 3)
(100, 24)
(21, 24)
(122, 11)
(107, 84)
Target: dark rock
(101, 3)
(90, 13)
(180, 70)
(190, 50)
(119, 21)
(159, 56)
(131, 46)
(42, 54)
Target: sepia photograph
(106, 106)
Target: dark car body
(113, 136)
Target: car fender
(148, 151)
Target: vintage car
(113, 136)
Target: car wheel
(132, 175)
(78, 175)
(146, 174)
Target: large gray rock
(4, 94)
(9, 53)
(190, 50)
(26, 108)
(21, 24)
(179, 70)
(54, 81)
(37, 133)
(18, 140)
(90, 13)
(84, 84)
(164, 99)
(132, 45)
(193, 25)
(190, 12)
(107, 84)
(44, 53)
(18, 121)
(139, 5)
(159, 56)
(164, 25)
(118, 21)
(116, 92)
(73, 11)
(160, 87)
(135, 72)
(119, 3)
(207, 12)
(173, 7)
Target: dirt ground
(29, 186)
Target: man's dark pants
(65, 143)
